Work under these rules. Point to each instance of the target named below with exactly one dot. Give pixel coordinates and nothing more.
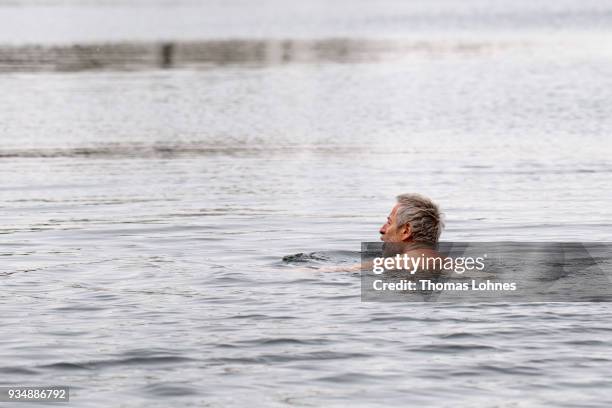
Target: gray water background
(145, 212)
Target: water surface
(146, 213)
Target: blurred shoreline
(198, 54)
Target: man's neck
(406, 247)
(414, 245)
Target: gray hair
(422, 214)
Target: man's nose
(383, 229)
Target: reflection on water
(134, 56)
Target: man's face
(391, 232)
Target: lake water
(146, 212)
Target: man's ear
(406, 232)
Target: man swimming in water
(413, 228)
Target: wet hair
(422, 214)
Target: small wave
(282, 341)
(17, 371)
(460, 335)
(129, 361)
(352, 378)
(170, 390)
(262, 317)
(515, 370)
(288, 357)
(588, 343)
(452, 348)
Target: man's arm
(339, 268)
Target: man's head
(413, 219)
